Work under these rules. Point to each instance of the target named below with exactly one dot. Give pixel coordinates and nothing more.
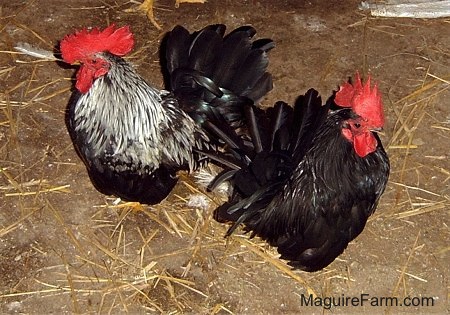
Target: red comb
(363, 100)
(78, 46)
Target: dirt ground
(65, 248)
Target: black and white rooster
(133, 137)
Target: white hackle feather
(204, 176)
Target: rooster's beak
(378, 130)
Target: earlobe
(99, 72)
(347, 133)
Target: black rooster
(133, 137)
(310, 177)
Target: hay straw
(276, 263)
(34, 33)
(403, 146)
(153, 217)
(66, 228)
(423, 210)
(51, 95)
(11, 180)
(92, 263)
(76, 307)
(39, 292)
(88, 8)
(405, 267)
(412, 276)
(42, 87)
(381, 30)
(16, 87)
(172, 223)
(416, 188)
(118, 286)
(438, 78)
(17, 223)
(441, 127)
(111, 253)
(13, 103)
(13, 128)
(425, 88)
(7, 70)
(62, 188)
(220, 307)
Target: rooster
(310, 177)
(134, 137)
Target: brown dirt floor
(65, 248)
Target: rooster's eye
(357, 125)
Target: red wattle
(85, 78)
(364, 144)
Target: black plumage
(299, 184)
(133, 137)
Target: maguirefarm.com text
(365, 300)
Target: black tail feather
(221, 178)
(181, 48)
(179, 43)
(203, 52)
(253, 129)
(311, 114)
(234, 52)
(279, 134)
(213, 75)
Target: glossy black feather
(214, 75)
(307, 192)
